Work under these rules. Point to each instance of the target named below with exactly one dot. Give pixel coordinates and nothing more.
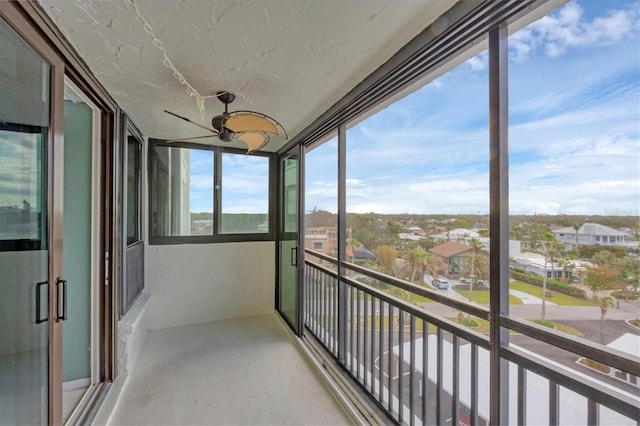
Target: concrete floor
(245, 371)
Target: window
(184, 207)
(245, 194)
(134, 165)
(22, 212)
(317, 245)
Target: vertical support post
(554, 404)
(522, 396)
(498, 220)
(593, 417)
(342, 241)
(299, 238)
(474, 384)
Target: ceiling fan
(251, 127)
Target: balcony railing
(422, 368)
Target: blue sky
(574, 135)
(245, 183)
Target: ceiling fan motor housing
(218, 123)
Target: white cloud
(574, 135)
(567, 28)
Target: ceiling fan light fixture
(226, 136)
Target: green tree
(550, 247)
(601, 278)
(417, 258)
(605, 303)
(387, 256)
(629, 268)
(474, 270)
(604, 257)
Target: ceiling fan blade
(251, 121)
(192, 122)
(192, 138)
(254, 140)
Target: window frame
(216, 237)
(131, 135)
(41, 242)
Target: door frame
(297, 150)
(37, 30)
(10, 12)
(97, 201)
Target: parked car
(464, 280)
(483, 283)
(440, 282)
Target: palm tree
(576, 226)
(548, 247)
(476, 245)
(605, 303)
(417, 260)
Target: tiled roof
(591, 229)
(450, 249)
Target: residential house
(534, 262)
(456, 256)
(591, 234)
(324, 239)
(459, 235)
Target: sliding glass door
(288, 242)
(32, 296)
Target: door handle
(294, 256)
(39, 302)
(62, 284)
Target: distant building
(416, 230)
(324, 239)
(534, 262)
(454, 255)
(409, 237)
(363, 255)
(592, 233)
(459, 235)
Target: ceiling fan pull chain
(191, 91)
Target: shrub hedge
(555, 285)
(622, 295)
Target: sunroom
(185, 185)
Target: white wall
(194, 283)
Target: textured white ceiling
(288, 59)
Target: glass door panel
(24, 236)
(288, 246)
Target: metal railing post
(498, 221)
(342, 241)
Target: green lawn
(482, 296)
(557, 298)
(559, 327)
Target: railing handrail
(467, 334)
(618, 402)
(469, 308)
(321, 256)
(586, 348)
(580, 346)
